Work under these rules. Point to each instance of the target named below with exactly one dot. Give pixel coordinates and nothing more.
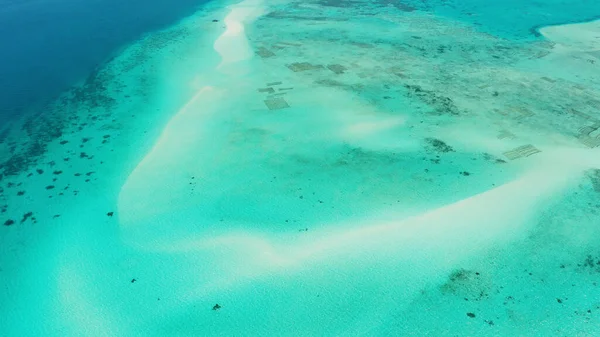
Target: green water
(332, 171)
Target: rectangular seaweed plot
(547, 79)
(337, 68)
(505, 134)
(268, 90)
(515, 112)
(276, 103)
(588, 137)
(589, 141)
(264, 52)
(521, 151)
(290, 44)
(302, 66)
(523, 112)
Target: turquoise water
(327, 168)
(514, 19)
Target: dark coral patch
(438, 145)
(26, 216)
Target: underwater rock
(438, 145)
(492, 158)
(441, 105)
(591, 264)
(26, 216)
(594, 176)
(9, 222)
(466, 284)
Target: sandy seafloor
(315, 169)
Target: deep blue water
(48, 45)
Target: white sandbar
(578, 36)
(233, 44)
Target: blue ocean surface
(46, 46)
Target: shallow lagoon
(322, 168)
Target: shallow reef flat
(331, 168)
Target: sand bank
(233, 45)
(583, 37)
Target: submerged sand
(312, 178)
(576, 36)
